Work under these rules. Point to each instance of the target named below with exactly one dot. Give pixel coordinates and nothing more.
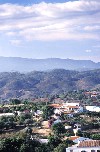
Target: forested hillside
(36, 83)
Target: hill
(9, 64)
(38, 83)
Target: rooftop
(89, 143)
(73, 137)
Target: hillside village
(73, 123)
(49, 75)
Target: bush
(58, 128)
(60, 148)
(54, 140)
(95, 136)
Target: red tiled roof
(73, 106)
(73, 137)
(55, 105)
(89, 143)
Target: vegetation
(58, 128)
(41, 84)
(47, 112)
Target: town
(60, 123)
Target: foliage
(27, 130)
(25, 118)
(60, 148)
(58, 128)
(7, 122)
(15, 101)
(69, 133)
(95, 136)
(43, 83)
(19, 143)
(47, 111)
(54, 140)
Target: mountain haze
(9, 64)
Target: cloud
(15, 42)
(88, 51)
(92, 28)
(97, 46)
(51, 21)
(11, 33)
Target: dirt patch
(44, 130)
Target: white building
(70, 104)
(85, 146)
(38, 113)
(56, 121)
(6, 114)
(80, 139)
(93, 108)
(57, 111)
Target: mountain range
(41, 83)
(10, 64)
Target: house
(19, 113)
(91, 93)
(85, 146)
(56, 116)
(55, 105)
(6, 114)
(57, 111)
(38, 113)
(70, 115)
(75, 109)
(77, 139)
(70, 104)
(68, 127)
(43, 141)
(67, 108)
(56, 121)
(93, 108)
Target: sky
(50, 29)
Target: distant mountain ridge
(9, 64)
(38, 83)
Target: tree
(25, 148)
(10, 144)
(24, 117)
(60, 148)
(28, 121)
(95, 136)
(27, 130)
(15, 101)
(54, 140)
(47, 111)
(58, 128)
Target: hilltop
(9, 64)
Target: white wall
(71, 104)
(6, 114)
(93, 108)
(87, 149)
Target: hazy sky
(50, 29)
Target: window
(71, 150)
(92, 150)
(98, 150)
